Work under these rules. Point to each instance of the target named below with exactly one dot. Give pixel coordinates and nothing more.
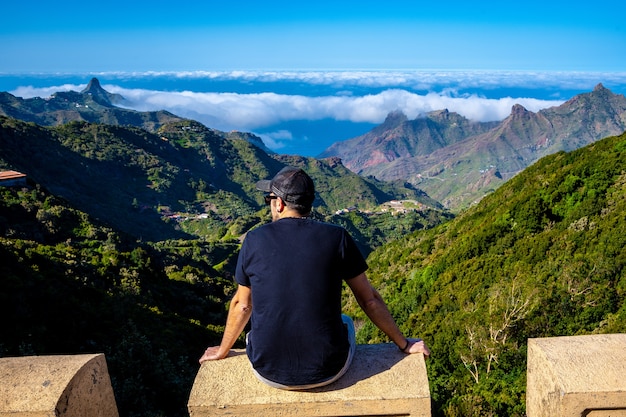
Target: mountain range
(542, 256)
(93, 104)
(457, 161)
(157, 176)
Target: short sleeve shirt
(295, 269)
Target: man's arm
(373, 305)
(238, 316)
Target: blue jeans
(347, 321)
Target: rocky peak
(518, 110)
(445, 116)
(395, 118)
(601, 92)
(93, 87)
(100, 95)
(440, 113)
(333, 161)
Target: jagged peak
(518, 109)
(395, 117)
(445, 115)
(93, 86)
(602, 92)
(599, 93)
(100, 95)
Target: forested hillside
(185, 181)
(542, 256)
(70, 285)
(124, 242)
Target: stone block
(381, 381)
(56, 386)
(577, 376)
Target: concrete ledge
(382, 381)
(59, 386)
(577, 376)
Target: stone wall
(574, 376)
(382, 381)
(59, 386)
(577, 376)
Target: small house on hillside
(12, 178)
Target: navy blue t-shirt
(295, 269)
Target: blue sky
(79, 36)
(303, 75)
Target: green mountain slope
(185, 180)
(93, 104)
(542, 256)
(458, 162)
(71, 285)
(124, 242)
(94, 259)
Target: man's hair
(293, 186)
(302, 209)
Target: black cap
(291, 184)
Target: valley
(129, 234)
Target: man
(290, 274)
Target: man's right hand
(417, 346)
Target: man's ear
(280, 205)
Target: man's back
(295, 268)
(290, 274)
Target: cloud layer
(414, 80)
(248, 112)
(346, 96)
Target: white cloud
(390, 91)
(247, 112)
(418, 79)
(30, 91)
(353, 96)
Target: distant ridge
(96, 105)
(457, 161)
(93, 104)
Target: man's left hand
(211, 354)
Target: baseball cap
(291, 184)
